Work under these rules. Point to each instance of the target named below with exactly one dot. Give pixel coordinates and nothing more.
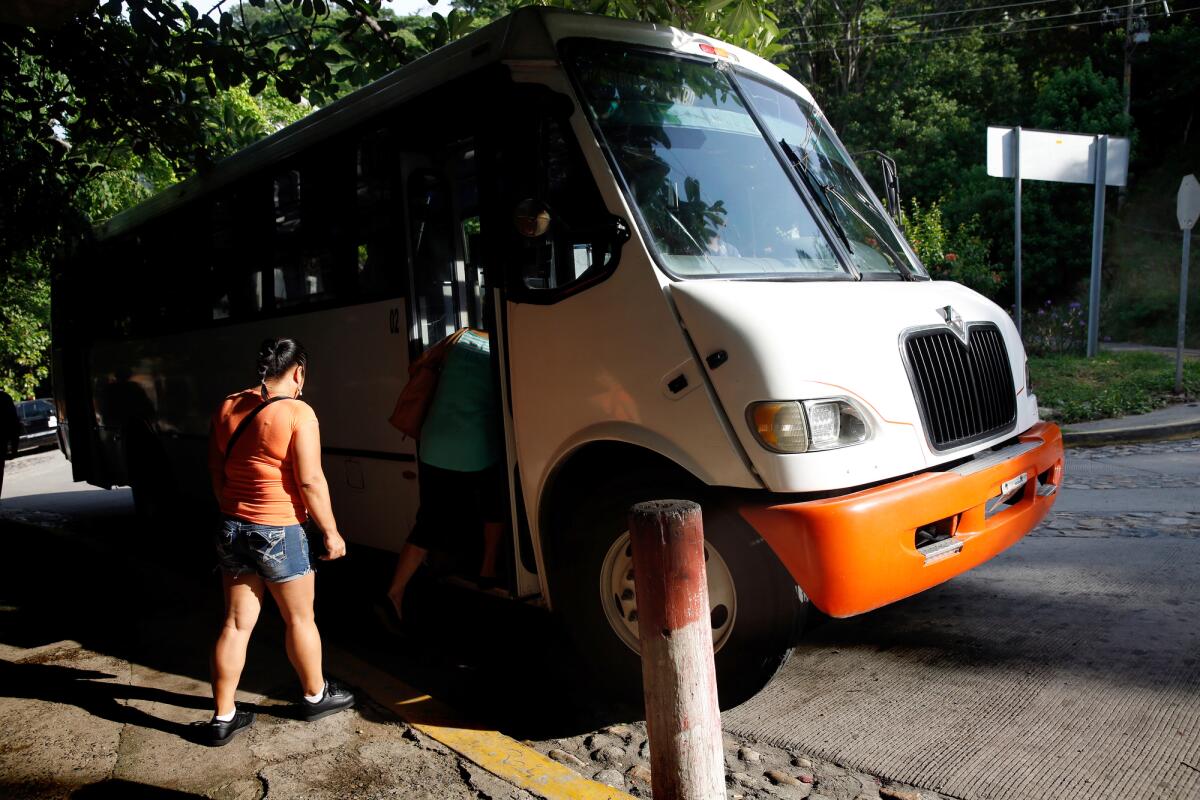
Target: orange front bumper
(858, 552)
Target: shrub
(1055, 329)
(960, 256)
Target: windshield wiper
(824, 192)
(901, 267)
(818, 190)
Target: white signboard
(1187, 204)
(1055, 156)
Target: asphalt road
(1068, 666)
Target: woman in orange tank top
(265, 464)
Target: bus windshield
(875, 244)
(713, 197)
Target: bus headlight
(801, 426)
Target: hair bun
(277, 355)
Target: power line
(944, 13)
(934, 36)
(975, 26)
(930, 39)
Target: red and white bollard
(679, 677)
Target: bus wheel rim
(618, 594)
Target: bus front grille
(964, 391)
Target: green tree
(24, 327)
(749, 24)
(959, 255)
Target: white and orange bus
(719, 308)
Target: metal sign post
(1187, 209)
(1093, 340)
(1025, 154)
(1016, 161)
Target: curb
(1143, 433)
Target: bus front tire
(768, 610)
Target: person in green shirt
(460, 456)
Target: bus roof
(527, 34)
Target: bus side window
(314, 253)
(379, 268)
(469, 269)
(293, 275)
(431, 234)
(239, 221)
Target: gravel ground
(619, 756)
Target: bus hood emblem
(954, 321)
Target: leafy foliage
(750, 24)
(960, 255)
(133, 95)
(127, 98)
(24, 328)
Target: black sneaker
(336, 698)
(221, 733)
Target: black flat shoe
(335, 698)
(220, 733)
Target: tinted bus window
(379, 266)
(431, 230)
(239, 223)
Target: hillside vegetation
(1142, 262)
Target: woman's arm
(306, 449)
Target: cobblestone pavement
(1139, 524)
(1187, 446)
(1151, 465)
(618, 755)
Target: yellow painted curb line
(500, 755)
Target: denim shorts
(278, 554)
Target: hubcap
(618, 594)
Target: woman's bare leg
(243, 601)
(492, 532)
(411, 557)
(303, 640)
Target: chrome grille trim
(964, 392)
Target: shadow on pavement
(1099, 608)
(148, 594)
(91, 691)
(109, 789)
(117, 789)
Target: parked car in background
(39, 424)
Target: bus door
(447, 281)
(557, 239)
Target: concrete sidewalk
(104, 667)
(87, 724)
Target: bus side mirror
(891, 181)
(891, 185)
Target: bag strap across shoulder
(245, 423)
(436, 354)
